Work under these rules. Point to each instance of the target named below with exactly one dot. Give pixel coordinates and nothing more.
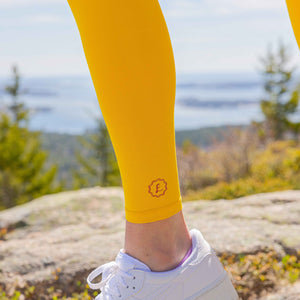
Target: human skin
(161, 245)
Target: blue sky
(207, 35)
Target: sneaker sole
(224, 290)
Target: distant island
(220, 85)
(41, 109)
(215, 103)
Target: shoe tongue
(127, 262)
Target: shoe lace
(109, 270)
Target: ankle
(162, 263)
(160, 245)
(161, 259)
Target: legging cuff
(156, 214)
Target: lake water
(69, 104)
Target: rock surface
(60, 238)
(285, 293)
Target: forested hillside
(62, 147)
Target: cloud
(45, 19)
(21, 22)
(182, 7)
(198, 28)
(20, 3)
(194, 8)
(251, 4)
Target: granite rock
(59, 238)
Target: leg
(130, 58)
(161, 245)
(294, 13)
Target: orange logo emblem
(157, 187)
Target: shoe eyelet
(133, 287)
(127, 286)
(133, 277)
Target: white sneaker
(201, 277)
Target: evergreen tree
(99, 165)
(22, 176)
(17, 108)
(280, 100)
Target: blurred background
(216, 46)
(237, 115)
(236, 68)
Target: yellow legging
(294, 13)
(129, 54)
(130, 58)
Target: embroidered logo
(157, 187)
